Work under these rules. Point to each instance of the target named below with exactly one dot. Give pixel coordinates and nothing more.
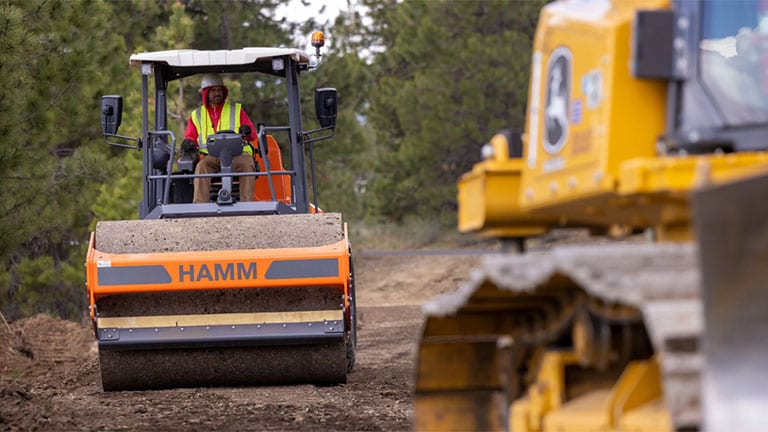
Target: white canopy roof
(194, 58)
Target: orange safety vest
(229, 120)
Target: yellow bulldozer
(234, 291)
(647, 123)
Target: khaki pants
(210, 164)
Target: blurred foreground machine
(228, 292)
(643, 116)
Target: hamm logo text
(217, 272)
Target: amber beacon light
(318, 40)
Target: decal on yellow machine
(557, 104)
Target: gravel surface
(204, 234)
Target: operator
(202, 123)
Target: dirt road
(49, 374)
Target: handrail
(169, 167)
(169, 176)
(263, 149)
(232, 174)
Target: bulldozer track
(621, 292)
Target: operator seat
(281, 182)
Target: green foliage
(453, 73)
(46, 112)
(119, 200)
(344, 162)
(237, 24)
(137, 20)
(421, 84)
(43, 285)
(58, 57)
(177, 33)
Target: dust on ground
(49, 373)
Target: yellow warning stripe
(220, 319)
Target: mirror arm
(137, 146)
(308, 134)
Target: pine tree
(57, 57)
(451, 75)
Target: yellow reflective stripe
(196, 122)
(233, 115)
(234, 119)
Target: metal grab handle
(169, 167)
(262, 138)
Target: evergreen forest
(422, 85)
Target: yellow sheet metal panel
(654, 192)
(488, 201)
(460, 411)
(548, 392)
(587, 114)
(478, 194)
(684, 173)
(639, 384)
(633, 404)
(519, 415)
(587, 413)
(471, 362)
(484, 322)
(650, 417)
(659, 188)
(636, 403)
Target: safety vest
(228, 120)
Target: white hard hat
(211, 80)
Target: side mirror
(111, 113)
(326, 106)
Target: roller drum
(223, 367)
(315, 361)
